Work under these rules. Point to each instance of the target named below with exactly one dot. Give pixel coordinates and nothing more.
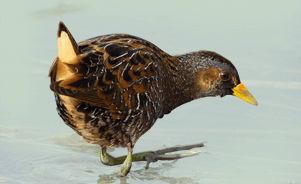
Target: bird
(111, 89)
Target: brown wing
(117, 72)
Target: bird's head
(217, 76)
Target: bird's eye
(224, 76)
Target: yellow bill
(241, 92)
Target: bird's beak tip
(241, 92)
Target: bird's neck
(180, 83)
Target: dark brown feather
(119, 76)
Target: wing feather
(113, 74)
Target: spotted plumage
(111, 89)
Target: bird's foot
(148, 156)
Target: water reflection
(151, 174)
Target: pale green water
(246, 144)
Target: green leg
(107, 159)
(127, 164)
(148, 156)
(126, 161)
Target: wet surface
(245, 143)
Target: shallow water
(245, 143)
